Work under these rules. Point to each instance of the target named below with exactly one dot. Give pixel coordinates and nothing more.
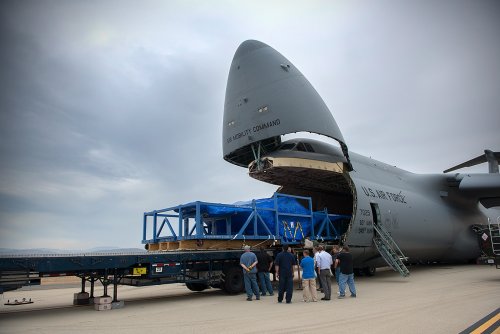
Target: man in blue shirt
(248, 261)
(284, 270)
(308, 278)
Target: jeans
(337, 274)
(265, 283)
(286, 283)
(349, 279)
(250, 280)
(326, 282)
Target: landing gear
(369, 271)
(365, 271)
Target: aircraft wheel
(369, 271)
(196, 286)
(233, 280)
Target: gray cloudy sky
(112, 108)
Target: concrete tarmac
(434, 299)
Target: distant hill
(51, 251)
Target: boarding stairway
(390, 251)
(495, 239)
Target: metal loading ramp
(281, 219)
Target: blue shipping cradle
(284, 218)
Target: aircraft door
(375, 214)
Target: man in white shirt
(324, 263)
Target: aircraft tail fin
(493, 158)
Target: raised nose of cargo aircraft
(267, 97)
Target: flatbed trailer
(197, 269)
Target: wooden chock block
(102, 300)
(102, 307)
(81, 298)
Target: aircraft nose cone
(247, 47)
(266, 97)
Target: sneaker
(249, 299)
(289, 302)
(353, 295)
(258, 298)
(263, 294)
(271, 294)
(341, 297)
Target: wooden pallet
(207, 244)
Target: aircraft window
(309, 147)
(301, 147)
(287, 146)
(263, 109)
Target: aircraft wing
(484, 187)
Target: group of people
(319, 266)
(341, 261)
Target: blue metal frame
(193, 225)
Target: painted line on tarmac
(487, 325)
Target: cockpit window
(309, 148)
(288, 146)
(301, 147)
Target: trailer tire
(196, 286)
(233, 280)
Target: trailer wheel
(196, 286)
(233, 281)
(369, 271)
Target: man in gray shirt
(324, 263)
(248, 261)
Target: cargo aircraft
(396, 216)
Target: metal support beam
(83, 284)
(115, 286)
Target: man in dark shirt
(283, 265)
(344, 260)
(263, 267)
